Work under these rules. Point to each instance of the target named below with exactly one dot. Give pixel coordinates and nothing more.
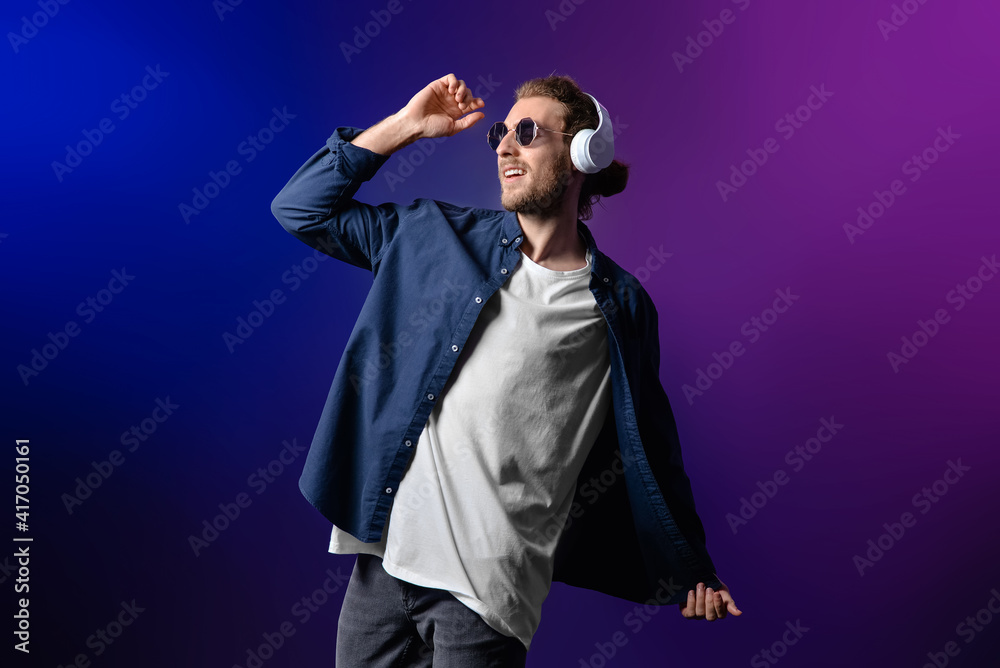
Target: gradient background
(680, 131)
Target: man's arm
(389, 135)
(317, 206)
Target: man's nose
(507, 145)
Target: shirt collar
(510, 232)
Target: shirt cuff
(354, 162)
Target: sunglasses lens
(525, 131)
(496, 135)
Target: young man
(497, 420)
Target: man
(510, 370)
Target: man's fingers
(459, 96)
(468, 121)
(458, 91)
(721, 607)
(467, 101)
(472, 104)
(688, 610)
(709, 604)
(731, 604)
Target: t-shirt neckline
(571, 273)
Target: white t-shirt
(481, 506)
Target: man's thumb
(468, 121)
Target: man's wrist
(409, 129)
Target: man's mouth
(512, 174)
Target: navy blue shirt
(632, 531)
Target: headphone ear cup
(594, 149)
(579, 150)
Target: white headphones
(593, 150)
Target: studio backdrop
(812, 207)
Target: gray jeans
(387, 623)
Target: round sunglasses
(524, 133)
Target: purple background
(783, 229)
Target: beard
(544, 195)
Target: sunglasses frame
(517, 135)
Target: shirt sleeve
(317, 207)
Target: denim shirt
(632, 531)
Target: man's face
(545, 161)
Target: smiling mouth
(512, 174)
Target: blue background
(682, 128)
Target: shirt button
(607, 280)
(430, 397)
(388, 490)
(518, 239)
(479, 300)
(407, 442)
(503, 241)
(454, 349)
(503, 271)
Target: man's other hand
(710, 604)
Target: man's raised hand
(443, 108)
